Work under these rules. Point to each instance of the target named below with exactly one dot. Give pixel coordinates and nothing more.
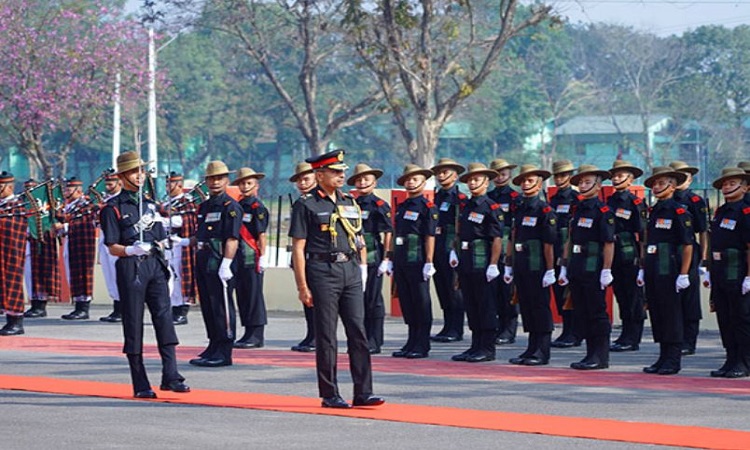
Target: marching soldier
(328, 257)
(729, 277)
(133, 232)
(563, 203)
(304, 181)
(588, 253)
(530, 256)
(479, 244)
(113, 187)
(449, 200)
(79, 229)
(377, 231)
(13, 227)
(27, 278)
(691, 298)
(217, 239)
(416, 223)
(508, 199)
(665, 267)
(630, 217)
(251, 259)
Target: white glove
(225, 270)
(745, 285)
(383, 267)
(706, 278)
(682, 282)
(549, 278)
(180, 241)
(175, 221)
(389, 272)
(453, 259)
(428, 270)
(138, 249)
(508, 274)
(262, 264)
(640, 280)
(605, 278)
(492, 272)
(363, 272)
(562, 280)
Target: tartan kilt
(189, 227)
(45, 269)
(12, 257)
(82, 255)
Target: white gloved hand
(682, 282)
(706, 278)
(640, 280)
(428, 270)
(138, 249)
(605, 278)
(363, 272)
(262, 264)
(389, 272)
(383, 267)
(453, 259)
(175, 221)
(180, 241)
(562, 280)
(549, 278)
(745, 285)
(225, 269)
(492, 272)
(508, 274)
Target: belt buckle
(519, 247)
(438, 230)
(651, 249)
(340, 257)
(464, 245)
(716, 256)
(576, 248)
(399, 240)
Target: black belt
(332, 257)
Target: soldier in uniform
(416, 226)
(563, 203)
(27, 279)
(377, 231)
(588, 253)
(745, 165)
(304, 181)
(13, 227)
(328, 257)
(79, 229)
(448, 199)
(665, 266)
(217, 240)
(134, 233)
(251, 260)
(691, 298)
(112, 186)
(630, 218)
(479, 242)
(729, 276)
(530, 256)
(508, 199)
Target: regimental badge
(664, 224)
(475, 217)
(585, 222)
(563, 209)
(623, 213)
(529, 221)
(411, 215)
(728, 224)
(445, 206)
(232, 213)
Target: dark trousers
(733, 315)
(374, 306)
(414, 298)
(451, 299)
(630, 302)
(691, 307)
(569, 330)
(534, 302)
(481, 309)
(250, 301)
(337, 292)
(590, 315)
(309, 326)
(665, 308)
(507, 312)
(218, 312)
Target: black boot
(81, 311)
(13, 327)
(38, 309)
(179, 314)
(115, 315)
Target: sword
(230, 335)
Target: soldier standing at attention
(665, 267)
(217, 240)
(531, 258)
(630, 218)
(13, 227)
(134, 233)
(251, 261)
(479, 242)
(328, 256)
(113, 187)
(588, 254)
(304, 181)
(508, 199)
(377, 231)
(729, 278)
(563, 203)
(416, 222)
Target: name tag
(623, 213)
(728, 224)
(464, 245)
(445, 206)
(585, 222)
(564, 209)
(528, 221)
(399, 241)
(664, 224)
(348, 212)
(476, 217)
(576, 249)
(365, 215)
(651, 249)
(716, 256)
(247, 217)
(411, 215)
(505, 207)
(213, 217)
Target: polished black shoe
(588, 365)
(400, 353)
(687, 351)
(335, 402)
(76, 315)
(375, 350)
(180, 320)
(504, 341)
(653, 368)
(534, 361)
(303, 348)
(479, 357)
(565, 344)
(518, 360)
(148, 393)
(246, 344)
(735, 373)
(461, 356)
(368, 400)
(668, 371)
(34, 313)
(417, 355)
(210, 362)
(175, 386)
(112, 318)
(617, 347)
(718, 373)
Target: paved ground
(38, 420)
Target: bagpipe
(41, 204)
(98, 193)
(197, 195)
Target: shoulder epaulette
(695, 199)
(604, 208)
(462, 196)
(380, 202)
(579, 197)
(494, 206)
(321, 193)
(746, 210)
(680, 211)
(430, 204)
(546, 209)
(513, 194)
(255, 205)
(637, 201)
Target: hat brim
(690, 170)
(218, 174)
(334, 166)
(144, 164)
(490, 173)
(258, 175)
(426, 172)
(457, 167)
(566, 169)
(518, 179)
(679, 176)
(377, 172)
(295, 177)
(577, 177)
(637, 172)
(719, 181)
(509, 166)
